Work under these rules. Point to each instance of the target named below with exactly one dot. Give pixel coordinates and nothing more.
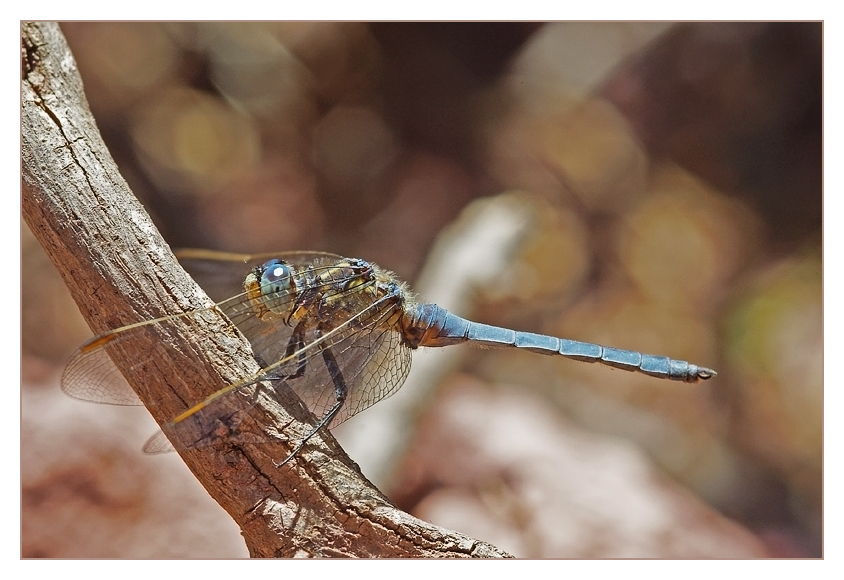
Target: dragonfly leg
(295, 344)
(340, 392)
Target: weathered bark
(119, 270)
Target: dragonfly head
(269, 288)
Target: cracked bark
(119, 270)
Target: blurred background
(659, 188)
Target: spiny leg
(340, 393)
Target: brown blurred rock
(502, 467)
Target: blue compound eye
(276, 278)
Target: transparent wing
(372, 361)
(91, 374)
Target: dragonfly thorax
(324, 289)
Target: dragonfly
(338, 332)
